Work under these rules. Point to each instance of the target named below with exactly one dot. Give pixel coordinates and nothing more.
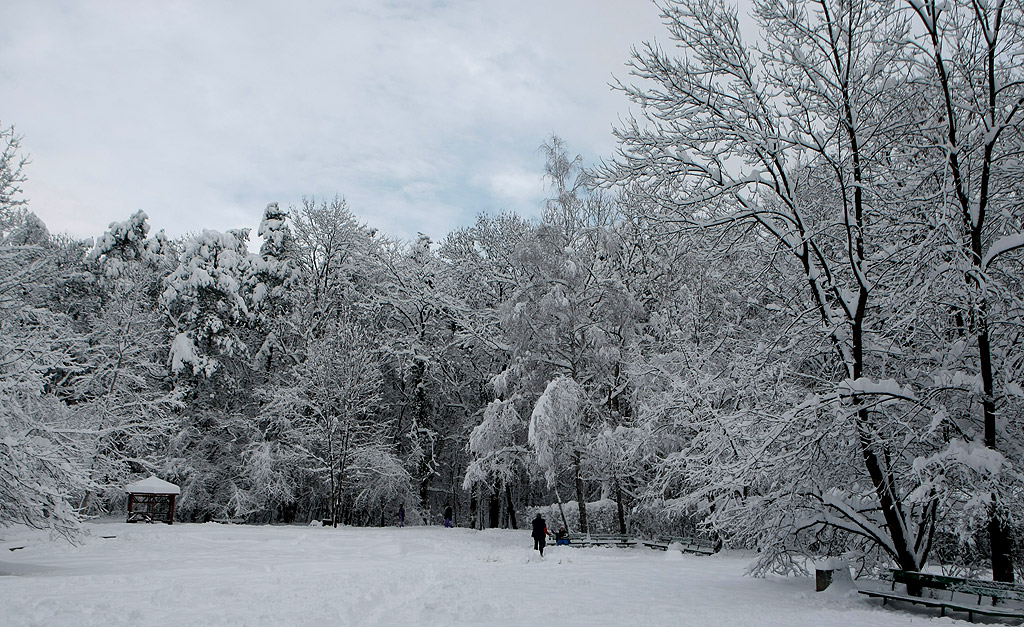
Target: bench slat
(981, 587)
(600, 539)
(686, 545)
(960, 607)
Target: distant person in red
(540, 533)
(448, 515)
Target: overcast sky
(422, 114)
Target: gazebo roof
(152, 485)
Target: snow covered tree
(205, 303)
(13, 212)
(411, 302)
(791, 139)
(271, 278)
(557, 434)
(334, 254)
(711, 341)
(123, 392)
(335, 398)
(436, 366)
(41, 478)
(483, 271)
(498, 451)
(970, 66)
(571, 315)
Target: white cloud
(521, 186)
(202, 112)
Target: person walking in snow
(540, 533)
(401, 515)
(447, 515)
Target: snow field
(275, 575)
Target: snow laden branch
(496, 446)
(557, 435)
(556, 426)
(1002, 246)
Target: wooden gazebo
(151, 500)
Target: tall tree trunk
(424, 487)
(581, 498)
(1000, 541)
(511, 507)
(420, 420)
(561, 510)
(339, 486)
(618, 502)
(454, 501)
(504, 509)
(333, 511)
(882, 478)
(494, 504)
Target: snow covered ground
(240, 575)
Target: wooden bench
(600, 539)
(140, 517)
(958, 588)
(684, 544)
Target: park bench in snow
(601, 539)
(964, 595)
(684, 544)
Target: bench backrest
(686, 541)
(995, 589)
(599, 537)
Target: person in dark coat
(540, 533)
(448, 515)
(401, 515)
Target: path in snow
(274, 575)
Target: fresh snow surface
(152, 485)
(288, 575)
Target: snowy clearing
(250, 575)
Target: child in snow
(562, 537)
(448, 515)
(540, 533)
(401, 515)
